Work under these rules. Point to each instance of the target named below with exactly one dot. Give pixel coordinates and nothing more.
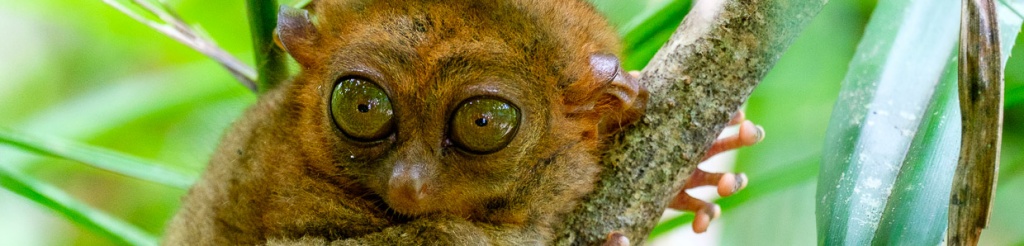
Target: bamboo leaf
(643, 29)
(99, 158)
(884, 97)
(893, 136)
(647, 32)
(74, 210)
(163, 91)
(915, 213)
(1014, 97)
(115, 108)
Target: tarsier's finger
(749, 134)
(737, 118)
(704, 212)
(616, 239)
(727, 183)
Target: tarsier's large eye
(484, 125)
(361, 110)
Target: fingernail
(760, 133)
(741, 181)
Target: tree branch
(696, 81)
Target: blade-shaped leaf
(643, 25)
(929, 162)
(145, 95)
(74, 210)
(647, 32)
(894, 134)
(1014, 97)
(98, 157)
(888, 88)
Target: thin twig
(176, 28)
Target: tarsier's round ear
(616, 96)
(296, 34)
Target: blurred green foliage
(79, 70)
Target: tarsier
(427, 122)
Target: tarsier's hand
(727, 183)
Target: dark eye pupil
(481, 122)
(363, 108)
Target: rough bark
(981, 107)
(697, 81)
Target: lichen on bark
(697, 81)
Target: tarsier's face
(476, 127)
(446, 107)
(421, 134)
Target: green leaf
(1009, 14)
(74, 210)
(893, 140)
(99, 158)
(885, 95)
(917, 208)
(1015, 97)
(643, 29)
(647, 32)
(123, 107)
(145, 95)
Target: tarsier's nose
(407, 184)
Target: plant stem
(270, 59)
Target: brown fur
(284, 174)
